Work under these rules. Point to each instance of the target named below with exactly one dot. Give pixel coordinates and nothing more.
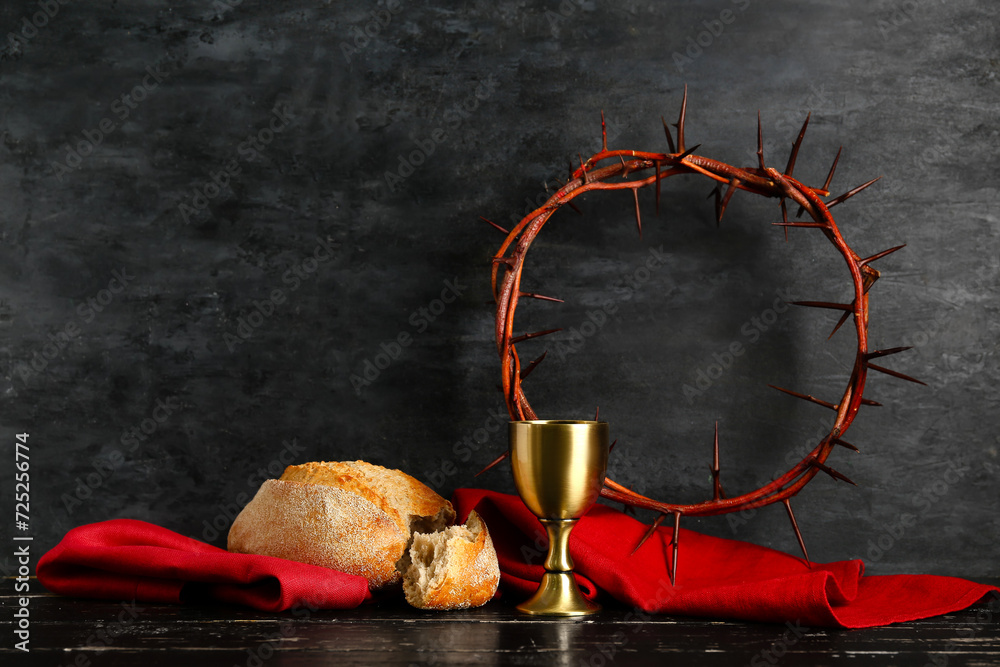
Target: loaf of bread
(455, 568)
(355, 517)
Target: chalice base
(558, 595)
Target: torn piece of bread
(455, 568)
(354, 517)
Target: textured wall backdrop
(240, 234)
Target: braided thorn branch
(628, 170)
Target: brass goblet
(559, 468)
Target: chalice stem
(558, 559)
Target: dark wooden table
(66, 631)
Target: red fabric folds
(125, 559)
(717, 578)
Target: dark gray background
(508, 93)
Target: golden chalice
(559, 468)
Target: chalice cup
(559, 468)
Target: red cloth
(716, 578)
(125, 559)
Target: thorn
(760, 144)
(675, 541)
(784, 217)
(656, 164)
(869, 278)
(597, 414)
(829, 177)
(624, 166)
(670, 139)
(612, 446)
(840, 323)
(805, 397)
(718, 199)
(649, 533)
(725, 200)
(880, 255)
(788, 504)
(795, 151)
(850, 193)
(524, 337)
(493, 463)
(687, 152)
(583, 169)
(680, 120)
(901, 376)
(540, 297)
(604, 132)
(830, 471)
(885, 353)
(573, 206)
(868, 401)
(509, 261)
(833, 168)
(495, 225)
(638, 219)
(825, 304)
(716, 484)
(786, 225)
(533, 365)
(844, 443)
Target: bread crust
(354, 517)
(460, 565)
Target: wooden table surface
(66, 631)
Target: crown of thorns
(629, 170)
